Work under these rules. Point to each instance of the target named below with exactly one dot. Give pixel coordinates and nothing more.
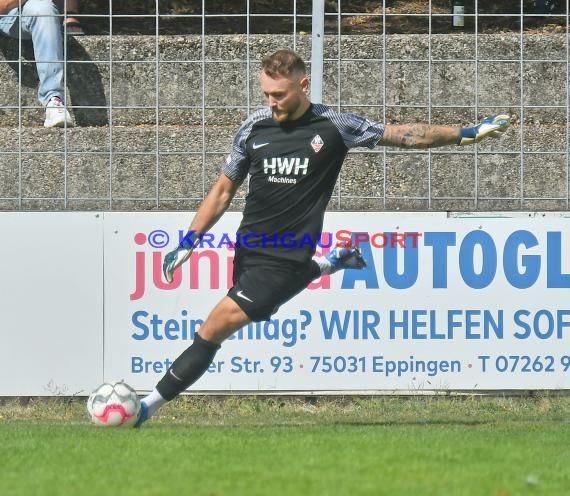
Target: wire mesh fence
(156, 94)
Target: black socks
(187, 368)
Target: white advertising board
(473, 303)
(51, 280)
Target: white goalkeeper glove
(489, 126)
(178, 256)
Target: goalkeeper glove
(178, 256)
(490, 126)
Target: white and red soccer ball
(114, 404)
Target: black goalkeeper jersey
(293, 167)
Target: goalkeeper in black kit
(292, 151)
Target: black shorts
(262, 285)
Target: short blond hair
(283, 63)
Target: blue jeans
(41, 24)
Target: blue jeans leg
(41, 24)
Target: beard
(284, 114)
(280, 115)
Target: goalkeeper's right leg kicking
(259, 289)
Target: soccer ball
(114, 404)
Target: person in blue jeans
(39, 20)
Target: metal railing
(156, 112)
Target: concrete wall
(149, 136)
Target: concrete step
(98, 168)
(135, 80)
(142, 80)
(173, 167)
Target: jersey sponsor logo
(282, 180)
(287, 166)
(255, 146)
(317, 143)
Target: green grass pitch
(426, 445)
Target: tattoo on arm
(419, 136)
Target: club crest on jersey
(317, 143)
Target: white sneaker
(56, 114)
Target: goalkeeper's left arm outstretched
(212, 208)
(429, 136)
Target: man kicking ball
(292, 151)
